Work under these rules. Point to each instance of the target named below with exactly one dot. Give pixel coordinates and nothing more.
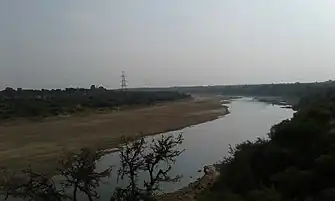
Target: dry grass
(40, 143)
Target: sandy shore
(193, 190)
(40, 143)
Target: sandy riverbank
(193, 190)
(41, 143)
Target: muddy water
(209, 142)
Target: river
(208, 143)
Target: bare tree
(131, 162)
(79, 171)
(163, 150)
(155, 160)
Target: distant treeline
(283, 90)
(295, 163)
(35, 103)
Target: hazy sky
(62, 43)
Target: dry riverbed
(39, 144)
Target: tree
(79, 171)
(155, 160)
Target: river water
(208, 143)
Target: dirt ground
(193, 190)
(40, 144)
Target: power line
(123, 82)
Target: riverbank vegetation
(295, 162)
(41, 103)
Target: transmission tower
(123, 82)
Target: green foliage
(41, 103)
(297, 162)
